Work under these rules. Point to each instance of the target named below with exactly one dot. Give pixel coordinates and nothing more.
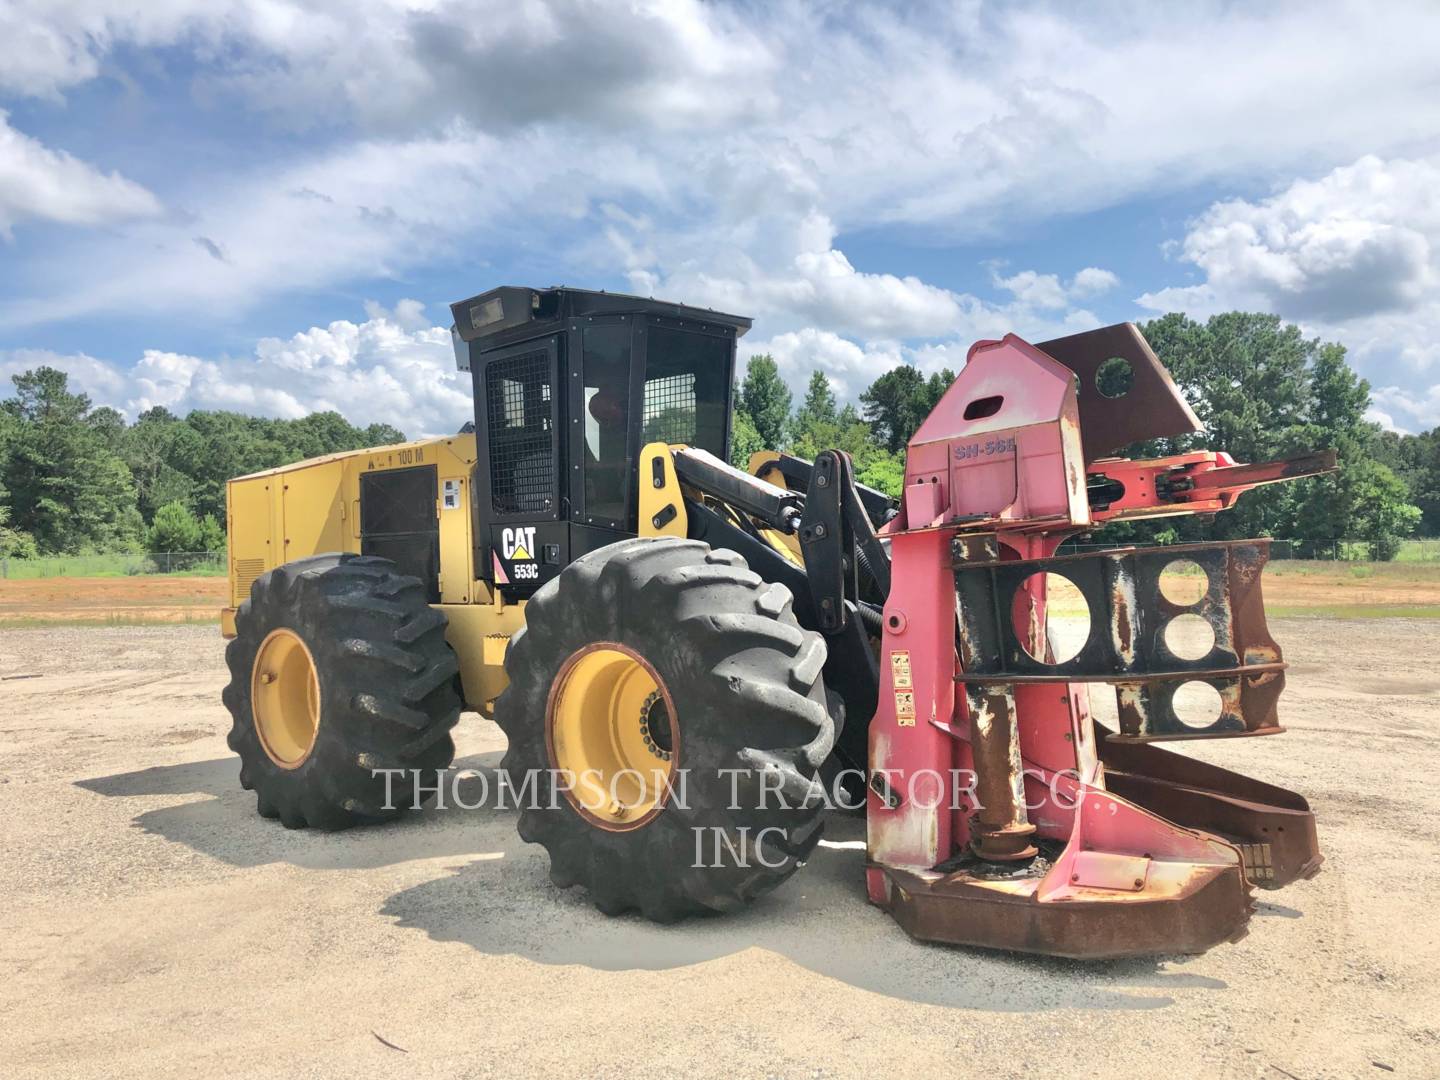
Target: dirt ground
(1296, 587)
(1290, 587)
(153, 598)
(151, 924)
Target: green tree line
(1261, 388)
(76, 479)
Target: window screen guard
(520, 413)
(687, 381)
(670, 409)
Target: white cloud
(1092, 281)
(1362, 240)
(1039, 290)
(104, 382)
(720, 154)
(377, 371)
(852, 364)
(402, 64)
(705, 146)
(40, 183)
(849, 367)
(791, 271)
(157, 379)
(1047, 291)
(1353, 256)
(1384, 419)
(359, 213)
(44, 50)
(396, 368)
(409, 314)
(1405, 410)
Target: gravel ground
(153, 925)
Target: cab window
(605, 372)
(686, 383)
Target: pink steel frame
(1002, 453)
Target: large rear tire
(663, 656)
(339, 669)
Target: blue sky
(267, 204)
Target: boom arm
(833, 519)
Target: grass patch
(1419, 551)
(114, 619)
(1339, 571)
(1353, 611)
(115, 565)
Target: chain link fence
(1418, 551)
(213, 563)
(205, 563)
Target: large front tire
(339, 670)
(728, 706)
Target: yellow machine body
(312, 507)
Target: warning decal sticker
(905, 708)
(900, 669)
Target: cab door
(604, 439)
(521, 539)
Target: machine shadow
(498, 899)
(820, 920)
(226, 827)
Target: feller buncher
(679, 649)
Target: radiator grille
(246, 571)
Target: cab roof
(509, 306)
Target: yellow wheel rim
(285, 698)
(610, 726)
